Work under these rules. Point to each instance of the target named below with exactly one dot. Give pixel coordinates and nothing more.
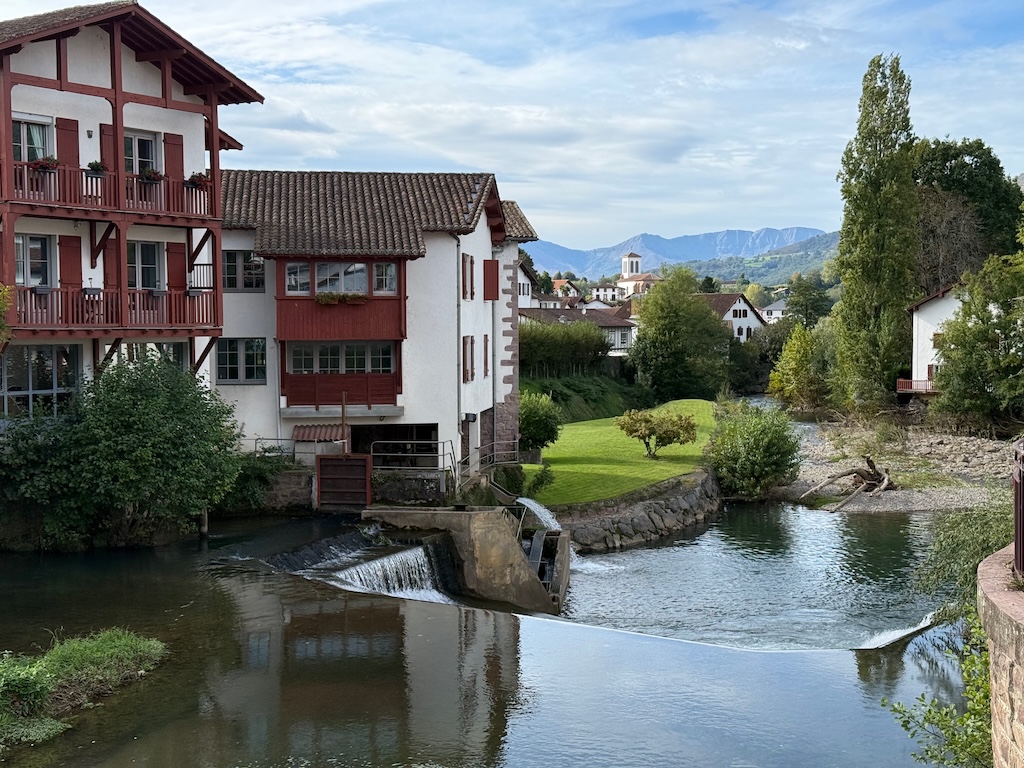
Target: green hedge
(583, 398)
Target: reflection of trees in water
(757, 528)
(924, 656)
(878, 546)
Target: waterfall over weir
(423, 573)
(542, 513)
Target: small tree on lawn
(656, 429)
(540, 421)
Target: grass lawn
(595, 460)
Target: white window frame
(243, 267)
(342, 357)
(385, 278)
(157, 270)
(18, 122)
(23, 261)
(244, 356)
(297, 274)
(133, 163)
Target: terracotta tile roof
(335, 213)
(317, 433)
(602, 318)
(141, 31)
(517, 227)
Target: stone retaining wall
(1001, 608)
(643, 516)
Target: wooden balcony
(76, 310)
(81, 188)
(321, 389)
(916, 386)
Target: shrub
(752, 450)
(256, 471)
(656, 429)
(25, 687)
(540, 421)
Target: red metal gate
(343, 481)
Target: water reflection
(270, 669)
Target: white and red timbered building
(105, 115)
(378, 308)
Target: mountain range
(767, 256)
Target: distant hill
(773, 267)
(709, 248)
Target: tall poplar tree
(879, 239)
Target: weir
(425, 572)
(493, 562)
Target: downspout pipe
(458, 343)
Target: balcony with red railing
(331, 389)
(916, 386)
(83, 188)
(107, 309)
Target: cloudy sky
(605, 118)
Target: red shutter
(465, 277)
(487, 355)
(111, 273)
(69, 249)
(465, 359)
(472, 277)
(67, 142)
(108, 150)
(174, 156)
(931, 373)
(490, 280)
(176, 266)
(472, 358)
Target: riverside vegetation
(35, 693)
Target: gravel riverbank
(934, 471)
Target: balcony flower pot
(46, 164)
(97, 169)
(197, 180)
(353, 298)
(193, 292)
(151, 176)
(90, 291)
(158, 292)
(41, 290)
(328, 297)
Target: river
(663, 658)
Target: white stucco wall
(751, 321)
(927, 320)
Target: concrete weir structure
(492, 562)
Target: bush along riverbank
(36, 691)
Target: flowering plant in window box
(97, 168)
(353, 298)
(48, 163)
(198, 180)
(151, 175)
(328, 297)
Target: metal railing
(412, 454)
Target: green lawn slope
(594, 460)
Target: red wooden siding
(301, 318)
(491, 290)
(327, 388)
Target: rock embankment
(935, 471)
(648, 515)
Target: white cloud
(602, 118)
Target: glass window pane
(227, 359)
(384, 278)
(35, 137)
(252, 271)
(66, 362)
(354, 280)
(328, 278)
(229, 263)
(301, 358)
(355, 358)
(129, 154)
(41, 367)
(147, 153)
(329, 358)
(297, 278)
(38, 263)
(18, 136)
(19, 260)
(380, 358)
(255, 360)
(17, 369)
(17, 406)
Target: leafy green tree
(709, 285)
(981, 349)
(757, 295)
(5, 304)
(879, 238)
(796, 378)
(970, 169)
(540, 421)
(807, 303)
(143, 447)
(682, 346)
(545, 284)
(752, 450)
(656, 429)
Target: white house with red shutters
(105, 115)
(736, 312)
(374, 308)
